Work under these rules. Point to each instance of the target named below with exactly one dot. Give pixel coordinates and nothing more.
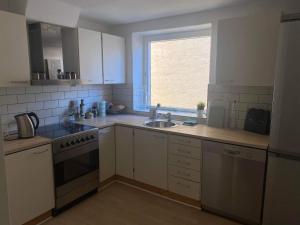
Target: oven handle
(74, 152)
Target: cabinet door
(30, 183)
(150, 158)
(113, 59)
(90, 56)
(124, 151)
(14, 58)
(107, 153)
(246, 52)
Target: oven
(76, 167)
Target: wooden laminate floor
(120, 204)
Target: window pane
(180, 72)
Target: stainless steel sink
(160, 124)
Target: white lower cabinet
(150, 157)
(124, 151)
(184, 166)
(30, 183)
(107, 153)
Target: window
(177, 69)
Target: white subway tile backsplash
(34, 89)
(15, 91)
(50, 88)
(248, 98)
(82, 94)
(267, 99)
(3, 109)
(245, 97)
(71, 94)
(26, 98)
(17, 108)
(57, 95)
(35, 106)
(8, 99)
(43, 97)
(51, 104)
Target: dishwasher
(233, 181)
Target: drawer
(185, 150)
(184, 187)
(185, 141)
(106, 130)
(188, 163)
(185, 173)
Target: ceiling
(128, 11)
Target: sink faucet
(154, 112)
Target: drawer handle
(183, 173)
(183, 185)
(232, 152)
(184, 163)
(183, 151)
(40, 152)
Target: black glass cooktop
(60, 130)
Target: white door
(113, 59)
(124, 151)
(90, 56)
(107, 153)
(14, 56)
(150, 158)
(30, 184)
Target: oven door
(76, 162)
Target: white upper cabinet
(246, 50)
(113, 59)
(90, 56)
(14, 58)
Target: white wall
(212, 16)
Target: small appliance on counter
(258, 121)
(26, 125)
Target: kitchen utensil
(26, 125)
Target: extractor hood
(48, 11)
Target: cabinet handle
(183, 174)
(40, 152)
(183, 185)
(232, 152)
(184, 163)
(183, 151)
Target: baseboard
(40, 219)
(161, 192)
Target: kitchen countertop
(229, 136)
(19, 145)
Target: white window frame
(146, 61)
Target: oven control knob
(77, 141)
(92, 136)
(72, 143)
(82, 139)
(67, 144)
(87, 138)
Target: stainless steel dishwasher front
(233, 181)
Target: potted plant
(200, 109)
